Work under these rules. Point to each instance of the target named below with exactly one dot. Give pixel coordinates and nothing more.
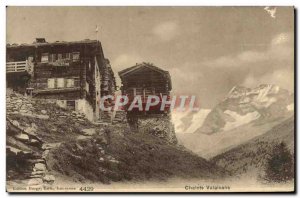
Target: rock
(101, 159)
(80, 116)
(22, 136)
(45, 154)
(35, 181)
(31, 131)
(36, 161)
(80, 120)
(23, 111)
(33, 125)
(82, 137)
(16, 123)
(39, 167)
(13, 149)
(43, 111)
(79, 147)
(161, 127)
(37, 173)
(102, 170)
(34, 141)
(35, 176)
(62, 116)
(50, 145)
(49, 179)
(114, 161)
(44, 117)
(88, 132)
(158, 128)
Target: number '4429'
(86, 189)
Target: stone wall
(158, 125)
(81, 106)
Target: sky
(207, 50)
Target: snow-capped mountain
(241, 116)
(244, 105)
(187, 121)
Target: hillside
(46, 143)
(251, 157)
(128, 157)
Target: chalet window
(70, 83)
(71, 104)
(45, 58)
(68, 56)
(51, 83)
(60, 82)
(75, 56)
(52, 58)
(87, 87)
(153, 90)
(59, 56)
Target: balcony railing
(19, 66)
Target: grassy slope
(251, 156)
(140, 157)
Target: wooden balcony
(19, 66)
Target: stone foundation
(158, 125)
(81, 106)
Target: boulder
(49, 179)
(31, 131)
(88, 132)
(39, 167)
(45, 154)
(35, 182)
(50, 146)
(23, 111)
(22, 136)
(114, 161)
(101, 159)
(16, 123)
(37, 173)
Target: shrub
(280, 166)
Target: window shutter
(75, 56)
(45, 57)
(59, 56)
(51, 83)
(60, 82)
(70, 82)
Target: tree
(280, 166)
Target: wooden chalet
(146, 79)
(75, 74)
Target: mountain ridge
(251, 157)
(244, 105)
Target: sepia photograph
(193, 99)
